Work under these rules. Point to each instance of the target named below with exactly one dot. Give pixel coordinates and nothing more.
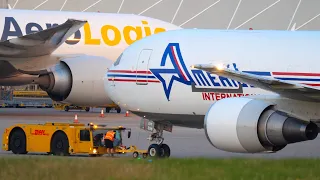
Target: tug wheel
(145, 155)
(60, 144)
(18, 142)
(135, 154)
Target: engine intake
(253, 126)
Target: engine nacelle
(78, 80)
(253, 126)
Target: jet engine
(78, 80)
(247, 125)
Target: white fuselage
(105, 34)
(165, 92)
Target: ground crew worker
(108, 141)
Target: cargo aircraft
(67, 53)
(251, 91)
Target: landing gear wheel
(165, 150)
(135, 154)
(17, 142)
(60, 144)
(66, 108)
(108, 110)
(154, 150)
(87, 109)
(118, 110)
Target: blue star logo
(179, 72)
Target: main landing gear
(158, 149)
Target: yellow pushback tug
(64, 139)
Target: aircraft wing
(287, 89)
(40, 43)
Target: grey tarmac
(184, 142)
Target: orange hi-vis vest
(109, 135)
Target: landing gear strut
(158, 149)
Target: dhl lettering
(211, 96)
(40, 133)
(109, 35)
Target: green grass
(106, 168)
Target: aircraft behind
(251, 91)
(68, 53)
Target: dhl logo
(110, 35)
(40, 133)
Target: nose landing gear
(158, 149)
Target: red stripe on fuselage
(176, 61)
(311, 84)
(133, 80)
(132, 72)
(295, 74)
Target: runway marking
(40, 4)
(150, 7)
(120, 6)
(15, 4)
(199, 13)
(175, 14)
(235, 12)
(307, 22)
(63, 5)
(91, 5)
(258, 14)
(294, 14)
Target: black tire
(60, 144)
(165, 150)
(135, 154)
(18, 142)
(87, 109)
(66, 108)
(154, 150)
(118, 110)
(145, 155)
(108, 110)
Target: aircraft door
(142, 67)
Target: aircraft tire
(66, 108)
(165, 150)
(154, 150)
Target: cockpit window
(118, 60)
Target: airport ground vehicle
(21, 93)
(64, 139)
(113, 106)
(67, 107)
